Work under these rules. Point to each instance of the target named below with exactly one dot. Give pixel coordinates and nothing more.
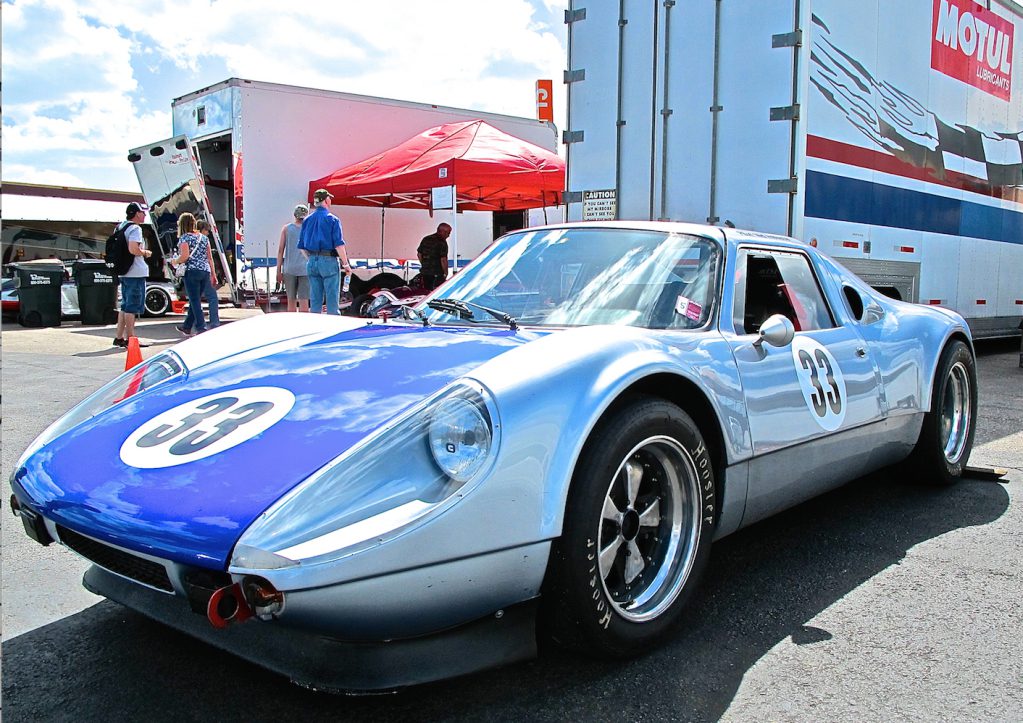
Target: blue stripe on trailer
(850, 199)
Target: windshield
(584, 276)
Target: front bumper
(324, 663)
(375, 633)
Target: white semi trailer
(245, 152)
(888, 133)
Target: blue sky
(84, 82)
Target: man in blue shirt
(323, 245)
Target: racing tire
(359, 305)
(157, 302)
(638, 526)
(946, 437)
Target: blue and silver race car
(549, 442)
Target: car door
(814, 404)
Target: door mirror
(776, 331)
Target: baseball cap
(301, 211)
(322, 194)
(134, 208)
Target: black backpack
(116, 253)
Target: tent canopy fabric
(491, 171)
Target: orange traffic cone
(134, 353)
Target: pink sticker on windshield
(688, 308)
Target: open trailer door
(171, 181)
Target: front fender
(554, 391)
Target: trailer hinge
(713, 219)
(572, 16)
(573, 76)
(785, 112)
(572, 197)
(620, 123)
(666, 112)
(669, 3)
(783, 185)
(788, 40)
(716, 108)
(572, 136)
(623, 22)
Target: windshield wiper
(407, 310)
(463, 311)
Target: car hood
(345, 386)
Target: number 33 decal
(205, 426)
(821, 381)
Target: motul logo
(973, 45)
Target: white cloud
(79, 91)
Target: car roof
(726, 236)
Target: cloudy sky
(86, 80)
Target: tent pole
(454, 229)
(380, 261)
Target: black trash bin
(97, 291)
(38, 293)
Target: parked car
(551, 441)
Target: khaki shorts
(296, 286)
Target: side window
(855, 302)
(783, 283)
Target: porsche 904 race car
(551, 441)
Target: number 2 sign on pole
(545, 100)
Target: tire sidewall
(957, 352)
(588, 618)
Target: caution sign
(600, 205)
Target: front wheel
(946, 437)
(638, 526)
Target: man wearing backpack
(133, 281)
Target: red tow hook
(227, 605)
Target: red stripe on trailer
(851, 244)
(1019, 302)
(981, 302)
(906, 249)
(934, 302)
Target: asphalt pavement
(882, 600)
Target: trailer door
(171, 181)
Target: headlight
(460, 438)
(146, 375)
(415, 468)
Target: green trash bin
(38, 293)
(97, 291)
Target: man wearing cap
(322, 243)
(133, 281)
(291, 264)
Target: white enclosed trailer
(888, 133)
(257, 145)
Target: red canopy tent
(490, 170)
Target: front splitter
(330, 665)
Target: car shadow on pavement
(763, 586)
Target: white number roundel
(206, 426)
(822, 382)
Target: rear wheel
(946, 438)
(637, 532)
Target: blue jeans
(197, 285)
(324, 283)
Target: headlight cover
(145, 376)
(415, 468)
